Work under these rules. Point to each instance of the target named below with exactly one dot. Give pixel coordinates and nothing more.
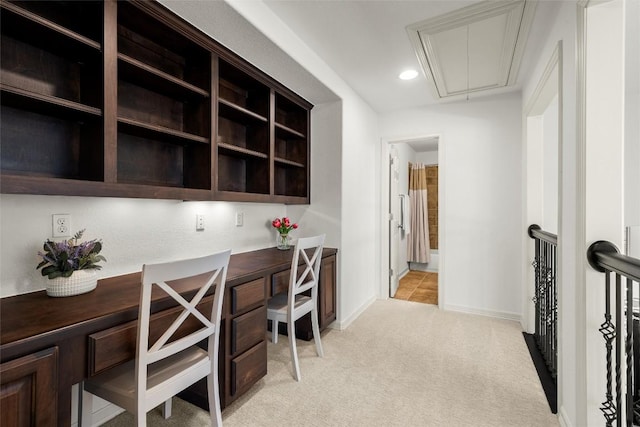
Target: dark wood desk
(61, 339)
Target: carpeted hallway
(399, 364)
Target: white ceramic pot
(80, 282)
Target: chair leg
(315, 326)
(166, 409)
(274, 331)
(85, 407)
(291, 330)
(214, 399)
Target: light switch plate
(199, 222)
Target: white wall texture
(359, 241)
(572, 384)
(481, 144)
(550, 168)
(133, 231)
(427, 157)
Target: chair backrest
(305, 276)
(206, 272)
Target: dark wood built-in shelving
(124, 98)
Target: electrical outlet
(199, 222)
(61, 225)
(239, 219)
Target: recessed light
(408, 75)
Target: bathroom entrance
(413, 227)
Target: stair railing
(620, 330)
(545, 298)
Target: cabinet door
(327, 292)
(28, 390)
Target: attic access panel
(475, 48)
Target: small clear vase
(283, 241)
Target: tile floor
(418, 286)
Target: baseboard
(563, 418)
(546, 380)
(404, 273)
(482, 312)
(344, 323)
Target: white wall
(481, 143)
(632, 112)
(550, 167)
(427, 157)
(133, 231)
(360, 235)
(562, 26)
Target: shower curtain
(418, 249)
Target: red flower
(283, 225)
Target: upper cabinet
(125, 99)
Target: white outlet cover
(61, 225)
(239, 219)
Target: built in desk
(48, 344)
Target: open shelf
(126, 99)
(290, 180)
(161, 48)
(285, 162)
(40, 31)
(291, 117)
(232, 150)
(237, 113)
(158, 132)
(147, 76)
(246, 174)
(146, 161)
(80, 19)
(288, 132)
(45, 104)
(43, 145)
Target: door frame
(383, 291)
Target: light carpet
(399, 364)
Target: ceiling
(367, 44)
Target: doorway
(420, 282)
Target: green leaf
(67, 273)
(48, 270)
(54, 274)
(42, 264)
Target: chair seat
(118, 384)
(277, 306)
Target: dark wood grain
(142, 72)
(248, 330)
(247, 296)
(32, 322)
(28, 387)
(248, 368)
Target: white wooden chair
(164, 368)
(293, 305)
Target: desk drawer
(248, 368)
(247, 295)
(116, 345)
(280, 282)
(248, 330)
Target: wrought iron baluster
(608, 331)
(629, 352)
